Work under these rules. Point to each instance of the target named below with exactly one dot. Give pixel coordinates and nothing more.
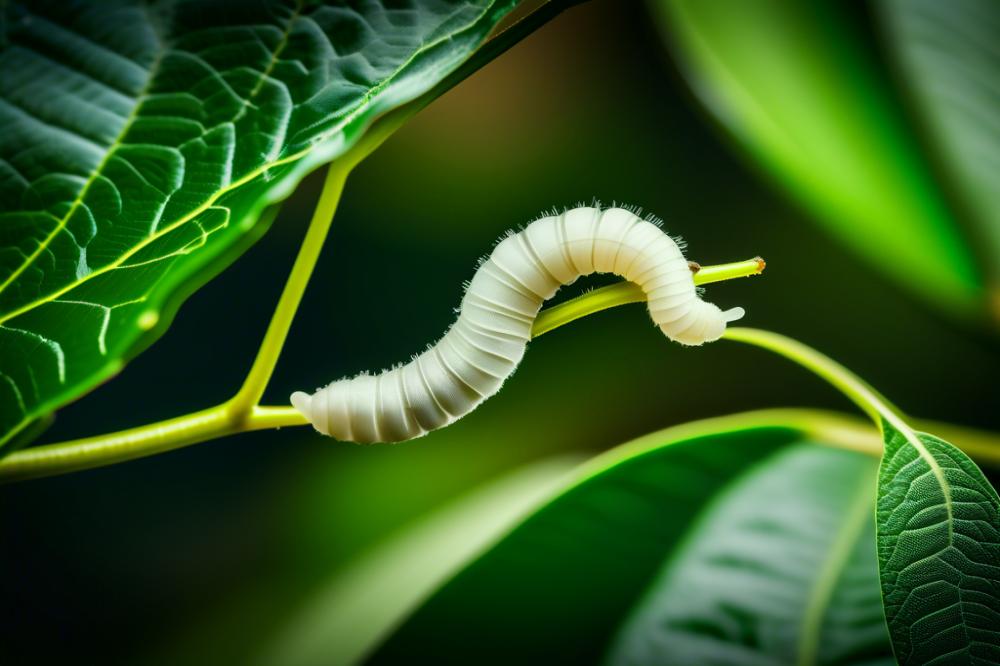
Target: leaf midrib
(928, 457)
(348, 118)
(840, 555)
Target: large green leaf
(952, 65)
(939, 553)
(792, 567)
(796, 84)
(140, 143)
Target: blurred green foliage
(948, 64)
(801, 86)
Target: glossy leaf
(797, 85)
(140, 143)
(939, 553)
(779, 512)
(952, 66)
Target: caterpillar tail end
(303, 402)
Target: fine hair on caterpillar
(488, 339)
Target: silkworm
(487, 341)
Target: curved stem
(620, 293)
(845, 381)
(880, 410)
(623, 293)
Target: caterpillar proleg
(485, 344)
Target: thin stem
(860, 393)
(242, 404)
(852, 386)
(620, 293)
(276, 417)
(623, 293)
(737, 269)
(100, 450)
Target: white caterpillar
(483, 347)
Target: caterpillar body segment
(485, 344)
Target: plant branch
(100, 450)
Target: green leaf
(796, 84)
(780, 569)
(791, 571)
(939, 553)
(948, 52)
(141, 143)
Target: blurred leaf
(560, 585)
(939, 554)
(948, 51)
(779, 570)
(141, 143)
(796, 84)
(368, 599)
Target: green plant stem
(241, 405)
(100, 450)
(737, 269)
(622, 293)
(845, 381)
(858, 391)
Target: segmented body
(485, 344)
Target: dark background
(197, 556)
